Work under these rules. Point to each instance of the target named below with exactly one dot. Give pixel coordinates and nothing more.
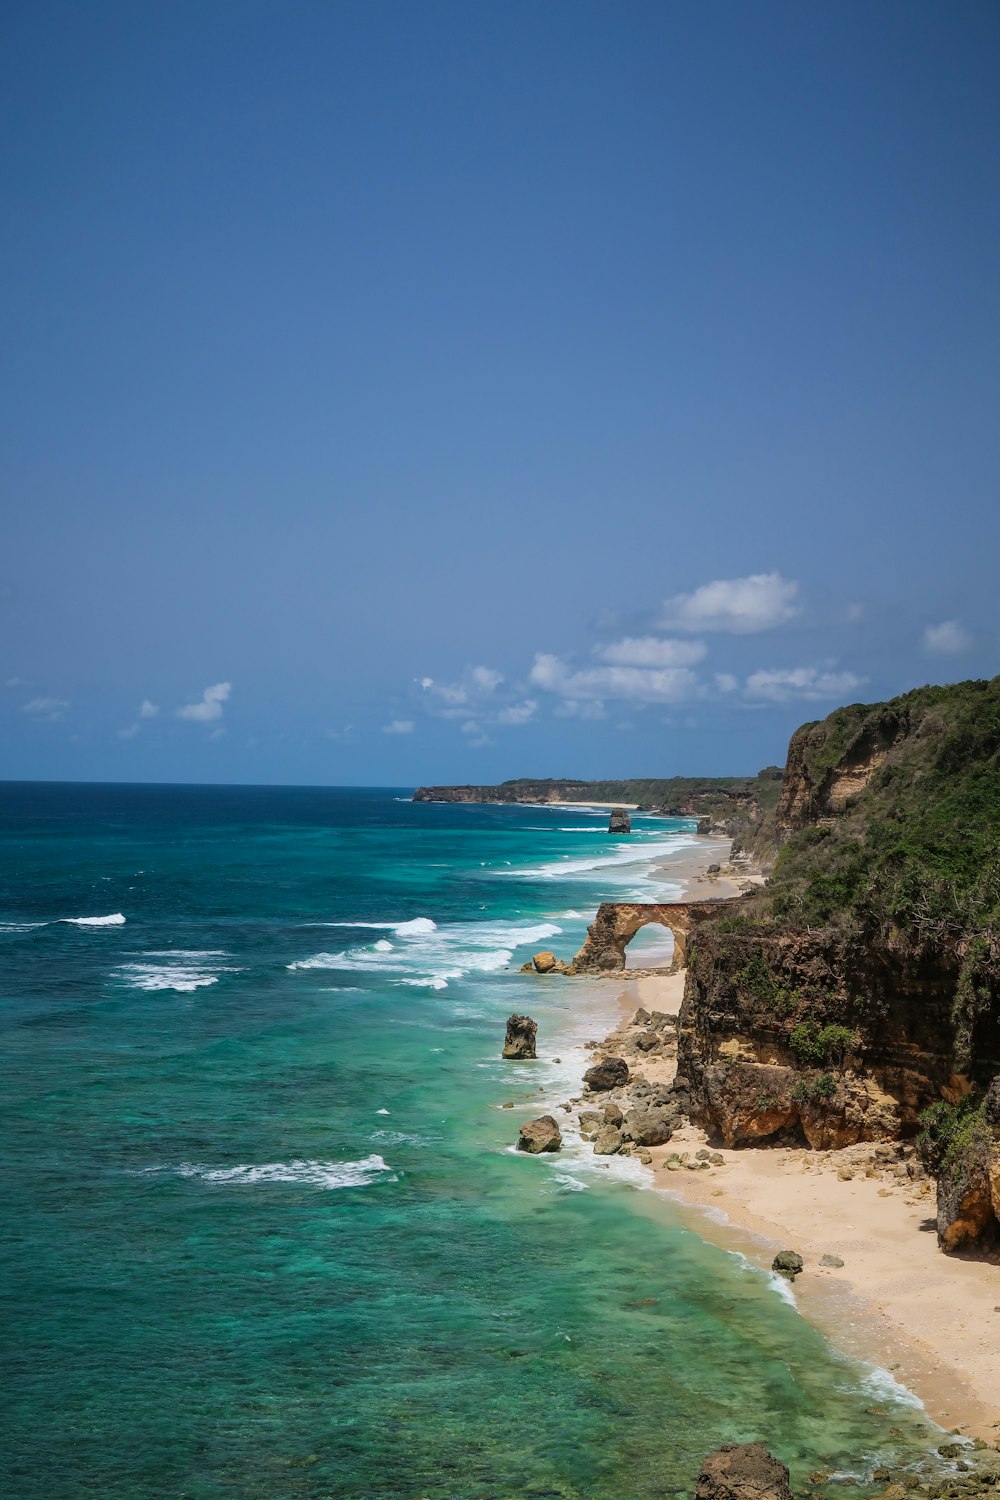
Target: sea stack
(520, 1039)
(620, 822)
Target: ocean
(264, 1232)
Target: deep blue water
(263, 1234)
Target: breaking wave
(179, 969)
(114, 920)
(428, 956)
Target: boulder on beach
(612, 1114)
(536, 1136)
(647, 1127)
(743, 1471)
(520, 1039)
(619, 822)
(607, 1141)
(609, 1073)
(787, 1263)
(544, 962)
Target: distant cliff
(733, 803)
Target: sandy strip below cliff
(933, 1320)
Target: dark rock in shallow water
(609, 1073)
(520, 1039)
(620, 822)
(539, 1135)
(742, 1471)
(787, 1263)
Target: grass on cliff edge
(919, 848)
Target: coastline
(897, 1302)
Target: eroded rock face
(743, 1471)
(620, 822)
(519, 1042)
(756, 1003)
(608, 1073)
(539, 1135)
(968, 1187)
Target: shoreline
(898, 1303)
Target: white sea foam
(883, 1386)
(114, 920)
(181, 969)
(21, 926)
(782, 1286)
(321, 1174)
(427, 956)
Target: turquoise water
(263, 1231)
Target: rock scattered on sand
(539, 1135)
(519, 1042)
(612, 1114)
(609, 1073)
(787, 1263)
(743, 1471)
(608, 1141)
(834, 1262)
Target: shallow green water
(263, 1231)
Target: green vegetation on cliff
(899, 805)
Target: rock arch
(617, 923)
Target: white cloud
(471, 727)
(148, 710)
(804, 684)
(209, 706)
(726, 682)
(129, 733)
(398, 726)
(636, 684)
(45, 708)
(571, 709)
(14, 682)
(517, 713)
(485, 679)
(740, 606)
(651, 651)
(855, 613)
(346, 733)
(476, 682)
(950, 638)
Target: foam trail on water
(114, 920)
(321, 1174)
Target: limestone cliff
(862, 984)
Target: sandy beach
(932, 1320)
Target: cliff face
(862, 984)
(815, 1038)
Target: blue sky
(399, 392)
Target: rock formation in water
(536, 1136)
(520, 1039)
(743, 1471)
(619, 822)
